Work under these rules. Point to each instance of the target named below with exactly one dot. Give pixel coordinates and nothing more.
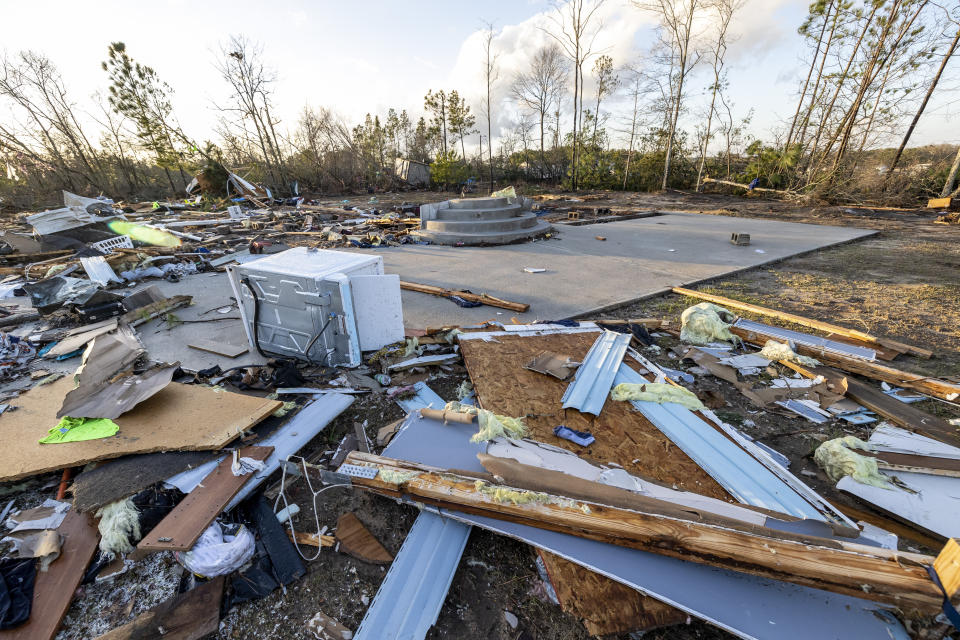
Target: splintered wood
(623, 436)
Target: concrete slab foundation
(639, 258)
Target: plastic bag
(221, 549)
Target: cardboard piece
(179, 418)
(114, 398)
(559, 366)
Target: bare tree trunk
(952, 176)
(679, 96)
(923, 105)
(815, 94)
(813, 63)
(813, 149)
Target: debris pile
(606, 446)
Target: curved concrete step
(501, 237)
(524, 221)
(496, 213)
(478, 203)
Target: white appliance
(317, 305)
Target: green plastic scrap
(78, 429)
(776, 351)
(658, 392)
(837, 458)
(492, 426)
(705, 323)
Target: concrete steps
(484, 238)
(479, 221)
(526, 220)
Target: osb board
(624, 610)
(180, 417)
(181, 528)
(54, 589)
(623, 436)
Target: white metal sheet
(378, 309)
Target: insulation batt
(492, 426)
(705, 323)
(119, 522)
(776, 351)
(837, 458)
(658, 392)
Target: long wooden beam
(893, 577)
(466, 295)
(900, 413)
(806, 322)
(931, 386)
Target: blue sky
(359, 56)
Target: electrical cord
(313, 340)
(316, 513)
(256, 316)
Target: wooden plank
(186, 616)
(943, 203)
(179, 530)
(889, 576)
(805, 322)
(219, 348)
(312, 539)
(182, 417)
(483, 298)
(356, 540)
(925, 384)
(915, 463)
(900, 413)
(903, 529)
(54, 589)
(947, 565)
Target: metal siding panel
(591, 384)
(815, 342)
(736, 471)
(411, 596)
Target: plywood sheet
(624, 609)
(181, 528)
(180, 417)
(622, 436)
(54, 589)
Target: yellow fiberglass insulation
(395, 477)
(837, 458)
(705, 323)
(492, 426)
(658, 392)
(774, 350)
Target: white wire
(316, 513)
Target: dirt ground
(903, 283)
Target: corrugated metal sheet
(592, 382)
(814, 342)
(410, 597)
(738, 472)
